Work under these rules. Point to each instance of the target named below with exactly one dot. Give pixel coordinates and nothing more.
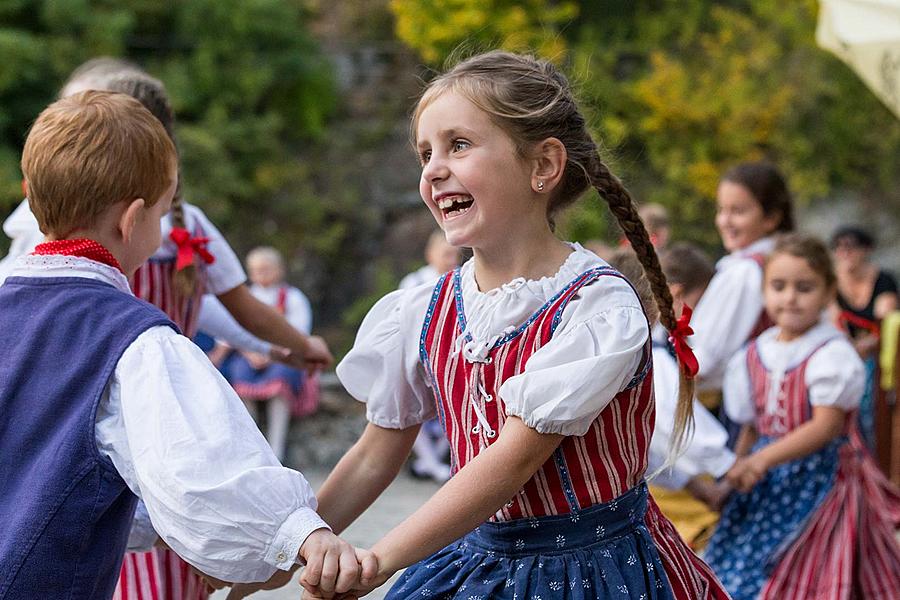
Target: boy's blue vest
(65, 512)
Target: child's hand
(257, 361)
(747, 472)
(369, 579)
(331, 564)
(316, 355)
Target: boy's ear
(129, 218)
(549, 160)
(677, 291)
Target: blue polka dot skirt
(604, 551)
(757, 527)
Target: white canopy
(865, 34)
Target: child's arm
(267, 323)
(827, 423)
(745, 440)
(363, 473)
(471, 496)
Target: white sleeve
(216, 321)
(575, 375)
(835, 376)
(184, 443)
(383, 367)
(737, 392)
(705, 452)
(226, 272)
(298, 311)
(724, 318)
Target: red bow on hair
(189, 246)
(678, 337)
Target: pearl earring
(540, 186)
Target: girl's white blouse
(705, 452)
(728, 311)
(184, 444)
(835, 375)
(593, 355)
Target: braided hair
(531, 100)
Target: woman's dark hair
(857, 235)
(767, 185)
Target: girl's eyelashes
(424, 157)
(455, 146)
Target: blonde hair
(267, 254)
(531, 100)
(91, 151)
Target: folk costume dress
(276, 380)
(729, 314)
(170, 428)
(159, 573)
(820, 527)
(568, 354)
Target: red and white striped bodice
(585, 470)
(783, 409)
(154, 281)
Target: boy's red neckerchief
(83, 248)
(189, 246)
(678, 337)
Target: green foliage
(435, 28)
(249, 86)
(678, 90)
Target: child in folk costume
(814, 518)
(752, 204)
(684, 489)
(535, 355)
(109, 401)
(255, 377)
(194, 259)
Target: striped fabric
(161, 574)
(598, 467)
(158, 574)
(153, 282)
(788, 414)
(848, 549)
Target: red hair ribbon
(189, 246)
(678, 337)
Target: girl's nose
(435, 170)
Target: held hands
(747, 472)
(312, 359)
(334, 568)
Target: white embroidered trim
(57, 265)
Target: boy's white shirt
(184, 443)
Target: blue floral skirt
(604, 551)
(757, 527)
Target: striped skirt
(159, 574)
(605, 551)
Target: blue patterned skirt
(757, 527)
(604, 551)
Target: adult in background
(866, 294)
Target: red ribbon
(189, 246)
(848, 318)
(678, 337)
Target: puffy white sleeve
(705, 452)
(724, 318)
(836, 376)
(298, 311)
(216, 321)
(184, 443)
(383, 367)
(593, 355)
(737, 392)
(226, 272)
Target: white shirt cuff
(293, 532)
